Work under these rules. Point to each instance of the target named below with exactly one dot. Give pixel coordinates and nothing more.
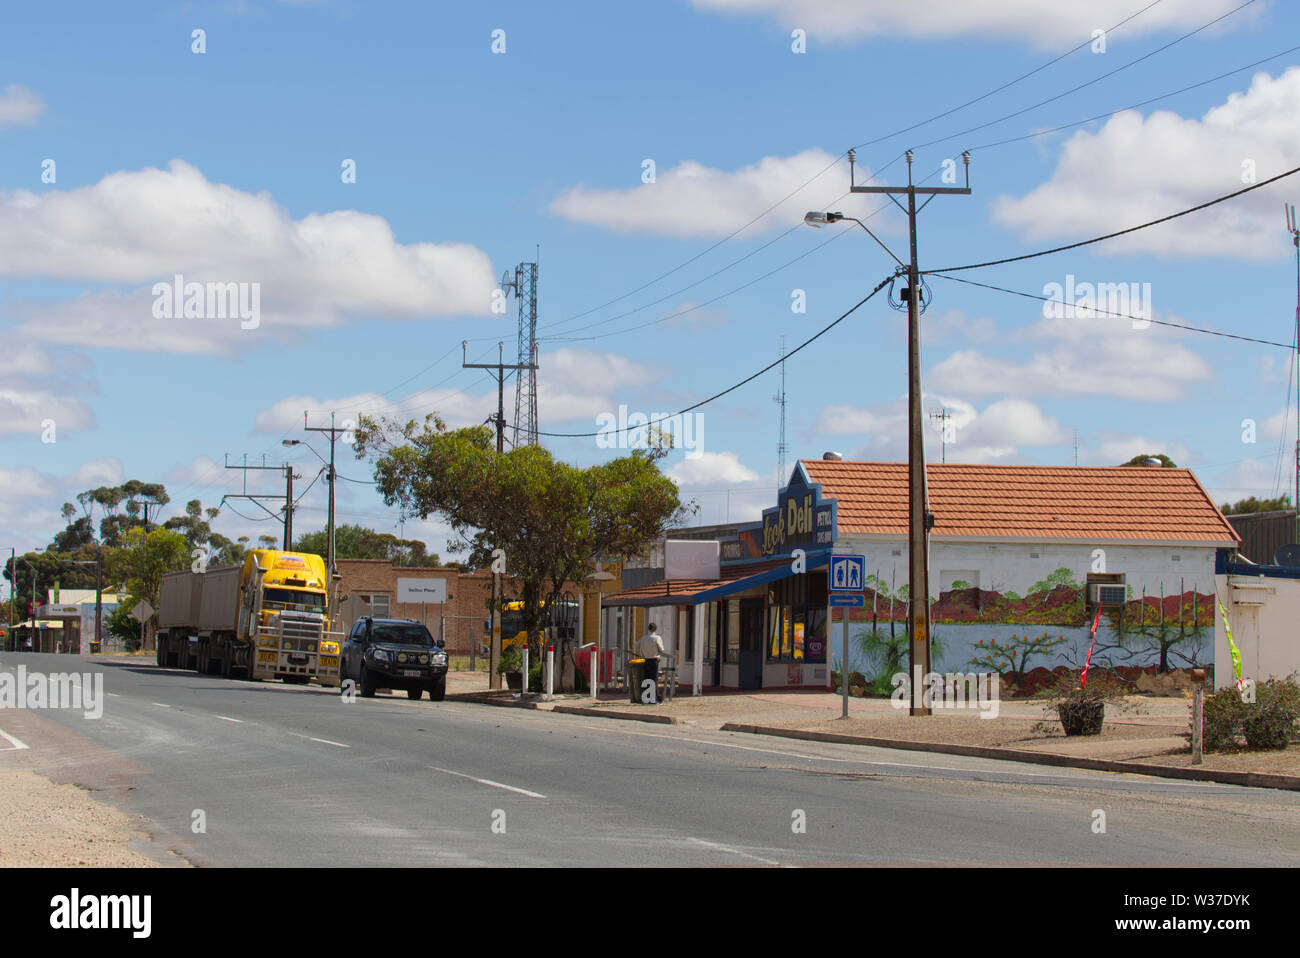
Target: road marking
(225, 718)
(488, 781)
(325, 741)
(161, 705)
(114, 694)
(733, 851)
(17, 745)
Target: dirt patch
(47, 825)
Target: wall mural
(1051, 621)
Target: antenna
(781, 447)
(942, 417)
(1076, 447)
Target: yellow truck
(266, 619)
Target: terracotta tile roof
(1034, 502)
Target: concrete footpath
(1147, 738)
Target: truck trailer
(266, 619)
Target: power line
(1134, 106)
(1081, 86)
(1104, 312)
(1010, 83)
(703, 402)
(1131, 229)
(826, 169)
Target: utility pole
(942, 417)
(13, 594)
(1295, 240)
(920, 520)
(494, 652)
(334, 433)
(257, 499)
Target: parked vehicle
(265, 619)
(394, 654)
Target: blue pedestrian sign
(848, 573)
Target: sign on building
(422, 590)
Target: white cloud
(692, 199)
(711, 467)
(1134, 169)
(19, 105)
(997, 433)
(1039, 23)
(1112, 448)
(1087, 356)
(27, 399)
(146, 226)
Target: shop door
(751, 643)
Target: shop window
(730, 631)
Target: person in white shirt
(651, 647)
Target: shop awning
(697, 591)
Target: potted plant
(511, 663)
(1080, 707)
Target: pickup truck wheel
(438, 690)
(414, 693)
(367, 683)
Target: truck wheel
(367, 683)
(160, 642)
(438, 690)
(226, 666)
(414, 693)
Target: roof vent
(1152, 462)
(832, 456)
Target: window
(378, 602)
(729, 631)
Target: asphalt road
(291, 775)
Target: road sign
(856, 599)
(141, 611)
(848, 573)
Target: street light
(818, 219)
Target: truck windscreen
(292, 600)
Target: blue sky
(225, 166)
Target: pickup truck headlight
(438, 658)
(379, 655)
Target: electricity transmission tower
(524, 285)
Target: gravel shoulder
(43, 824)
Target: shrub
(1267, 723)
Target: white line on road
(226, 718)
(162, 705)
(325, 741)
(17, 745)
(488, 781)
(733, 851)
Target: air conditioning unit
(1107, 593)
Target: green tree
(358, 542)
(550, 518)
(1247, 506)
(1141, 460)
(145, 558)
